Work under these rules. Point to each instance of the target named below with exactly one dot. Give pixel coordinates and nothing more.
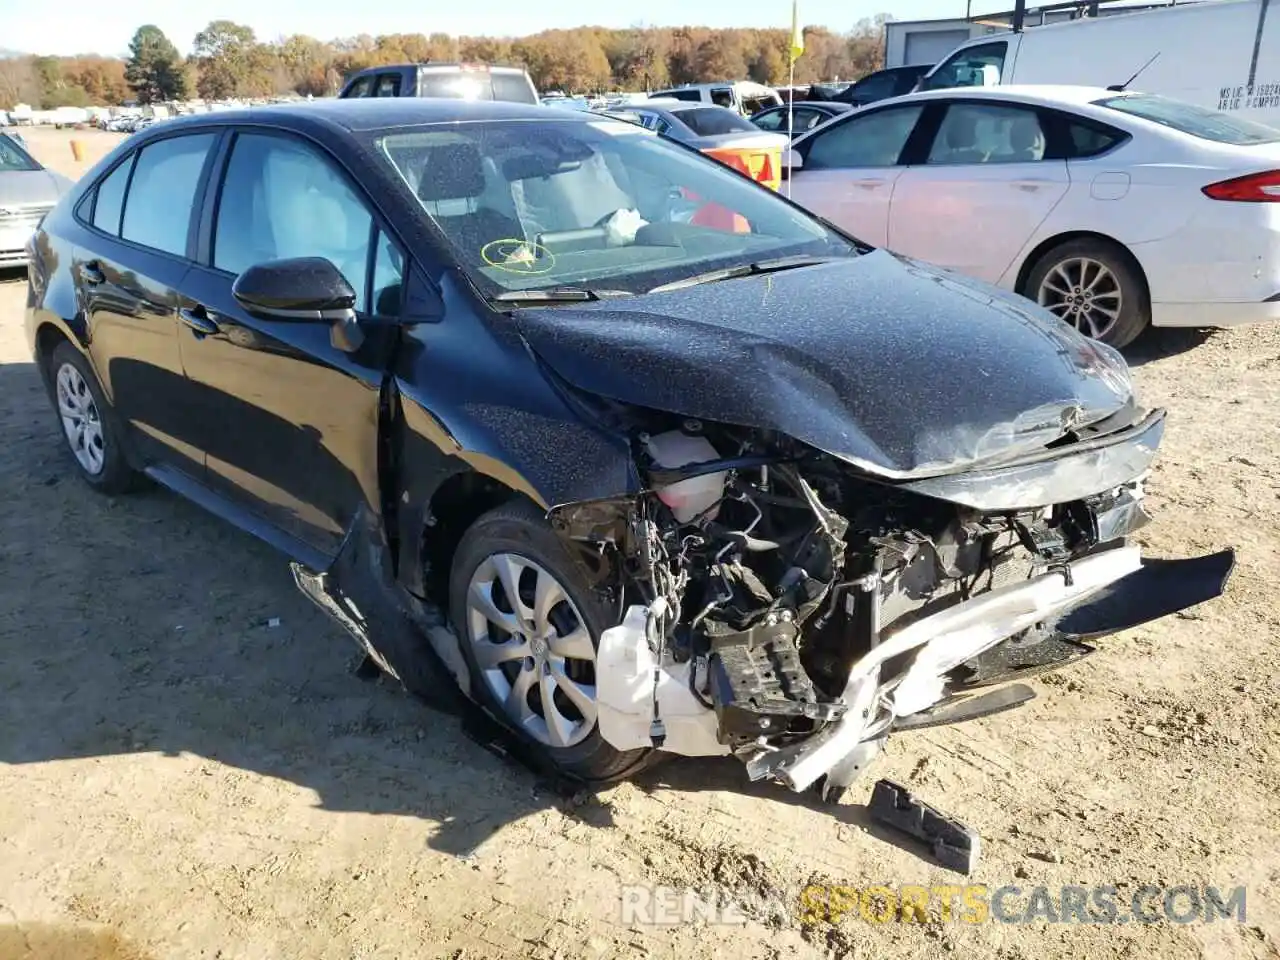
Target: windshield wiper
(554, 295)
(743, 270)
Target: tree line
(228, 61)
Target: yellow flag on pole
(797, 33)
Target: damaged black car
(639, 454)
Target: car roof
(1045, 94)
(439, 64)
(839, 106)
(377, 113)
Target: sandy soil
(180, 779)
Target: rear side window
(110, 201)
(1188, 118)
(157, 210)
(693, 96)
(712, 122)
(388, 85)
(513, 88)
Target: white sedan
(1114, 210)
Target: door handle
(92, 274)
(198, 320)
(1031, 185)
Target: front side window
(109, 203)
(1188, 118)
(870, 140)
(970, 67)
(360, 88)
(525, 205)
(166, 175)
(985, 133)
(282, 199)
(388, 85)
(722, 97)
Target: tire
(515, 541)
(1066, 280)
(78, 399)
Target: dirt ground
(178, 778)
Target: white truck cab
(743, 96)
(1223, 55)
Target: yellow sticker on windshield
(518, 256)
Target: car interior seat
(451, 186)
(962, 139)
(1026, 139)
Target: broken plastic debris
(273, 622)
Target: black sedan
(632, 478)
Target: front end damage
(786, 607)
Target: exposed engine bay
(785, 608)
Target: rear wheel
(528, 628)
(1096, 287)
(88, 423)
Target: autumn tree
(17, 82)
(154, 70)
(231, 62)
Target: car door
(849, 169)
(986, 184)
(128, 275)
(289, 417)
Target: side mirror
(302, 290)
(792, 160)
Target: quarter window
(870, 140)
(984, 133)
(157, 210)
(280, 199)
(110, 201)
(1090, 141)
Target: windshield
(600, 203)
(1188, 118)
(714, 121)
(13, 157)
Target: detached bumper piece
(952, 844)
(963, 708)
(1159, 588)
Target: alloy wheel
(81, 420)
(1085, 293)
(533, 649)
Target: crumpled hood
(896, 367)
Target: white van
(744, 96)
(1220, 54)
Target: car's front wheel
(88, 424)
(1095, 286)
(528, 628)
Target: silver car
(27, 192)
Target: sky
(68, 27)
